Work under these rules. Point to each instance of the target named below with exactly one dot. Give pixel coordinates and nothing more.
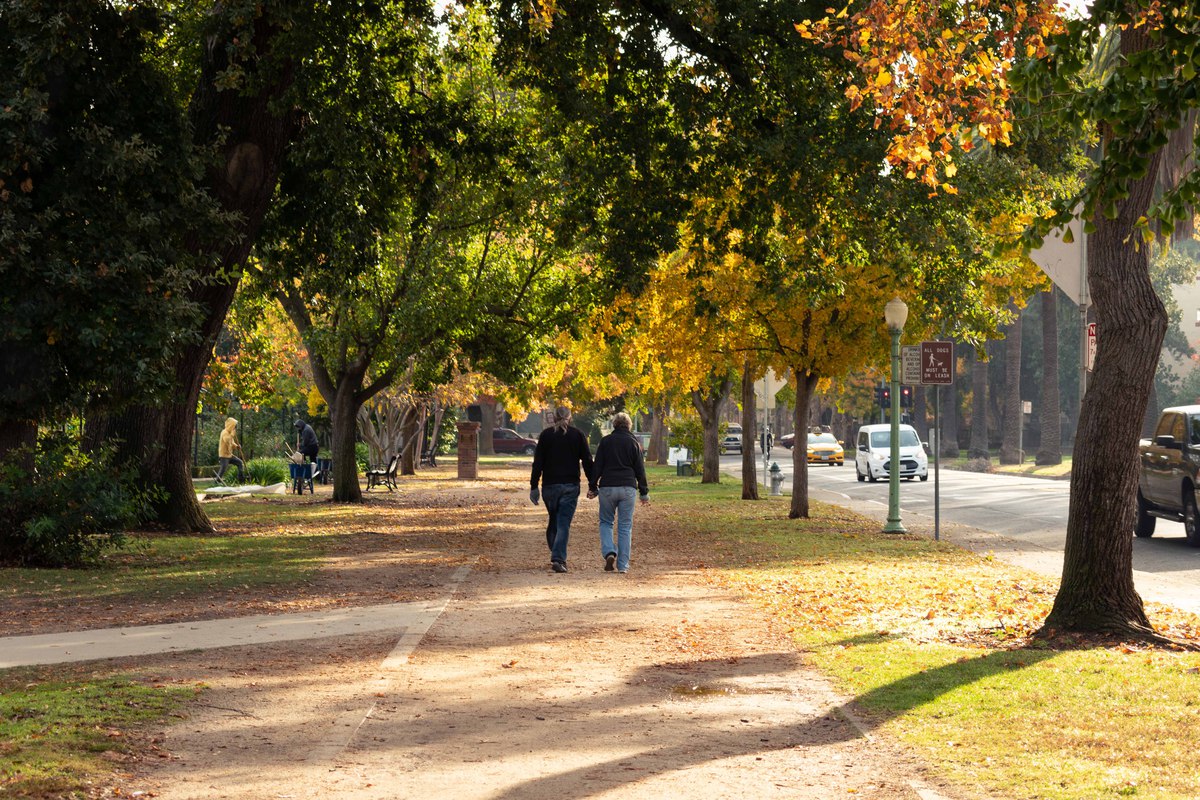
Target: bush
(266, 471)
(74, 506)
(362, 454)
(689, 433)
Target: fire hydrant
(776, 478)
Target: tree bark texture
(414, 423)
(439, 411)
(656, 453)
(708, 406)
(379, 426)
(805, 384)
(749, 435)
(1097, 593)
(343, 413)
(948, 417)
(1011, 440)
(920, 413)
(1050, 405)
(979, 410)
(16, 433)
(253, 138)
(488, 425)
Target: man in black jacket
(561, 449)
(619, 474)
(306, 440)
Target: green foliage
(72, 508)
(362, 454)
(689, 432)
(267, 471)
(98, 188)
(1140, 99)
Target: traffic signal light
(884, 395)
(906, 397)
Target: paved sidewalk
(409, 620)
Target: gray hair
(562, 418)
(622, 420)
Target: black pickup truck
(1170, 473)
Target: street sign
(1091, 346)
(937, 363)
(766, 387)
(910, 364)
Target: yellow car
(823, 448)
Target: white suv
(873, 453)
(732, 443)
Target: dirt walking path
(531, 684)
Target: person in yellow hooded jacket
(225, 449)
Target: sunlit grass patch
(178, 566)
(933, 645)
(59, 735)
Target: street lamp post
(895, 315)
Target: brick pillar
(468, 450)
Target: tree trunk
(487, 425)
(15, 433)
(979, 411)
(948, 417)
(920, 413)
(708, 407)
(1014, 418)
(749, 434)
(253, 138)
(1050, 411)
(656, 453)
(379, 427)
(410, 427)
(1097, 593)
(438, 412)
(805, 383)
(663, 420)
(343, 413)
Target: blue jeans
(560, 500)
(617, 502)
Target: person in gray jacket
(618, 476)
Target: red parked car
(506, 440)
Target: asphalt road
(1022, 520)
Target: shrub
(689, 433)
(74, 506)
(266, 471)
(362, 454)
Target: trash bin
(325, 465)
(685, 469)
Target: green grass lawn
(932, 644)
(1028, 467)
(63, 729)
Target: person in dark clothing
(306, 440)
(561, 449)
(617, 476)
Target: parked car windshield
(908, 438)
